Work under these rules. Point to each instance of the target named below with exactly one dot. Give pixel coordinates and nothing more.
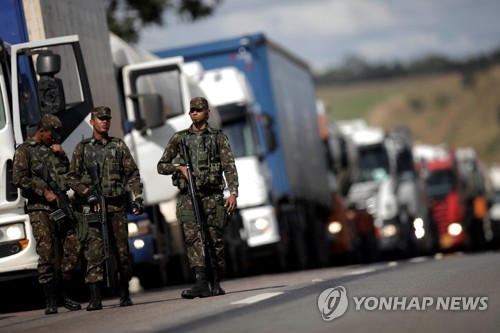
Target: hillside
(438, 108)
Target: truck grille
(440, 215)
(11, 192)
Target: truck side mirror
(50, 88)
(267, 121)
(151, 107)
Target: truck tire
(152, 276)
(297, 257)
(235, 248)
(318, 247)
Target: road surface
(452, 293)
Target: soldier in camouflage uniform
(42, 150)
(117, 170)
(211, 156)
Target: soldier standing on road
(117, 171)
(42, 149)
(210, 154)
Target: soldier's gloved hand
(137, 207)
(92, 199)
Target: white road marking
(257, 298)
(418, 259)
(360, 271)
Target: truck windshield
(373, 163)
(440, 182)
(167, 85)
(240, 136)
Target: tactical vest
(55, 165)
(204, 155)
(107, 158)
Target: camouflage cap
(101, 112)
(198, 103)
(51, 123)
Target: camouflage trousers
(94, 254)
(119, 223)
(213, 215)
(92, 250)
(58, 250)
(51, 240)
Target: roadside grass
(440, 108)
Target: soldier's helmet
(53, 124)
(198, 103)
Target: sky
(324, 32)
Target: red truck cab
(444, 194)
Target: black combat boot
(95, 297)
(201, 287)
(215, 283)
(125, 294)
(216, 288)
(68, 302)
(49, 292)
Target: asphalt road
(455, 293)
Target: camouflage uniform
(49, 235)
(45, 231)
(211, 156)
(117, 169)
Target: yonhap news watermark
(334, 302)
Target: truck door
(49, 76)
(157, 95)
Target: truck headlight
(141, 227)
(138, 244)
(389, 230)
(259, 226)
(455, 229)
(418, 225)
(12, 232)
(334, 227)
(133, 229)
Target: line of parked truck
(313, 191)
(316, 192)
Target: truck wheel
(297, 254)
(178, 270)
(278, 261)
(236, 261)
(152, 276)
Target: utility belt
(203, 193)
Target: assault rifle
(202, 228)
(109, 255)
(65, 209)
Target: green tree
(126, 18)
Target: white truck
(254, 232)
(386, 183)
(20, 112)
(155, 95)
(149, 101)
(24, 98)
